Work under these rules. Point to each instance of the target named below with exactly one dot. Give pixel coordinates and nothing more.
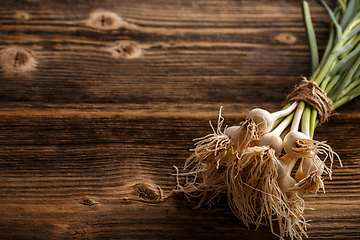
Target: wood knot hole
(104, 20)
(126, 49)
(18, 59)
(286, 38)
(87, 201)
(144, 192)
(22, 15)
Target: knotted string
(312, 94)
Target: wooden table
(100, 99)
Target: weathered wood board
(100, 99)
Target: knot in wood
(18, 59)
(86, 201)
(126, 49)
(22, 15)
(312, 94)
(144, 192)
(286, 38)
(104, 20)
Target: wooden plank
(66, 174)
(99, 100)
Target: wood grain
(100, 99)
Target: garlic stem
(283, 125)
(305, 122)
(297, 117)
(285, 112)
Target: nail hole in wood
(104, 20)
(17, 59)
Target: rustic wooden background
(99, 99)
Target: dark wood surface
(99, 99)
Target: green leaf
(314, 55)
(333, 19)
(348, 14)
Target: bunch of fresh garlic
(266, 164)
(253, 164)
